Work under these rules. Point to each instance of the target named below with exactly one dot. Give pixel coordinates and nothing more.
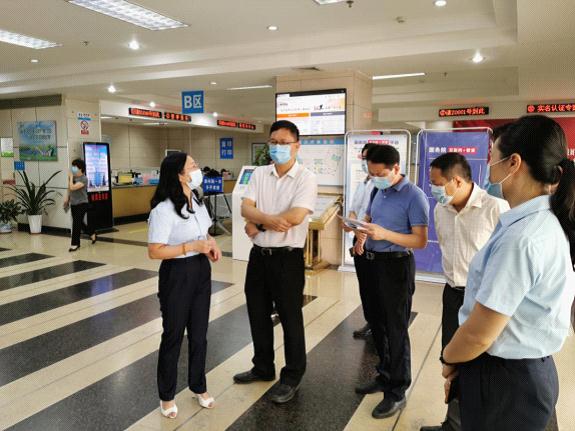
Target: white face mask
(196, 179)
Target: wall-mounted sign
(236, 125)
(193, 102)
(550, 107)
(38, 140)
(177, 117)
(84, 120)
(6, 147)
(137, 112)
(464, 112)
(19, 165)
(226, 148)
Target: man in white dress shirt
(465, 218)
(277, 205)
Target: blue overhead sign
(226, 148)
(193, 102)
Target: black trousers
(498, 394)
(185, 291)
(361, 269)
(390, 288)
(78, 225)
(452, 302)
(277, 279)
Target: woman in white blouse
(178, 235)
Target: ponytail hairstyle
(541, 142)
(170, 187)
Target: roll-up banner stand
(97, 158)
(471, 142)
(354, 142)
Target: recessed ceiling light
(34, 60)
(152, 104)
(403, 75)
(130, 12)
(213, 83)
(477, 58)
(111, 89)
(440, 3)
(104, 117)
(273, 28)
(322, 2)
(253, 87)
(215, 114)
(135, 45)
(26, 41)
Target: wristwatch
(260, 227)
(443, 361)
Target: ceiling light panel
(130, 12)
(254, 87)
(26, 41)
(322, 2)
(403, 75)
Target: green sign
(6, 147)
(38, 141)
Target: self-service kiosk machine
(241, 244)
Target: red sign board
(550, 107)
(236, 125)
(177, 117)
(464, 112)
(145, 113)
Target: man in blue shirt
(397, 222)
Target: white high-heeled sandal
(168, 412)
(207, 403)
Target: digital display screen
(464, 112)
(246, 177)
(97, 167)
(177, 117)
(145, 113)
(314, 112)
(236, 125)
(551, 107)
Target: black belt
(270, 251)
(385, 255)
(457, 288)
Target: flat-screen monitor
(97, 167)
(246, 177)
(314, 112)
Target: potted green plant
(9, 211)
(35, 199)
(262, 157)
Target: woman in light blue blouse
(520, 286)
(178, 235)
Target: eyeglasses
(280, 143)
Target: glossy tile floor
(79, 335)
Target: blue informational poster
(475, 147)
(227, 148)
(213, 185)
(38, 141)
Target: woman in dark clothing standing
(77, 201)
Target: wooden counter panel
(132, 201)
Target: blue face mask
(441, 195)
(280, 154)
(75, 169)
(364, 166)
(494, 189)
(381, 183)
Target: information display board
(324, 157)
(315, 113)
(474, 145)
(355, 141)
(97, 158)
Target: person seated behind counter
(520, 289)
(178, 235)
(397, 217)
(277, 205)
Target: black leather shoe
(388, 408)
(437, 428)
(250, 377)
(369, 388)
(362, 333)
(283, 393)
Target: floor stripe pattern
(90, 362)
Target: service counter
(131, 200)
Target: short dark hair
(80, 164)
(367, 147)
(451, 164)
(385, 154)
(288, 125)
